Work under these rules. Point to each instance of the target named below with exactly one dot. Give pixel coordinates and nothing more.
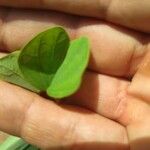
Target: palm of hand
(106, 113)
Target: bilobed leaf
(42, 56)
(9, 71)
(68, 77)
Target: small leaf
(68, 77)
(9, 71)
(12, 143)
(42, 56)
(16, 143)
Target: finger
(114, 50)
(102, 94)
(134, 14)
(51, 126)
(109, 97)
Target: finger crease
(133, 58)
(25, 116)
(122, 102)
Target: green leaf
(68, 77)
(9, 71)
(42, 56)
(11, 143)
(45, 64)
(16, 143)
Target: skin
(111, 110)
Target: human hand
(134, 14)
(107, 112)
